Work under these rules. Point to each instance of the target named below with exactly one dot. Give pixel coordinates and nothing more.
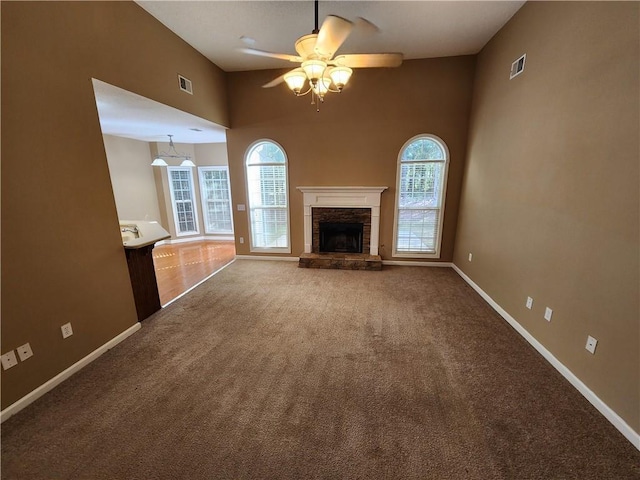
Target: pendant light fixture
(172, 153)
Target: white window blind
(184, 209)
(266, 173)
(216, 199)
(422, 171)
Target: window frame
(173, 201)
(287, 209)
(204, 200)
(442, 200)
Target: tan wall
(550, 203)
(62, 255)
(214, 154)
(355, 138)
(134, 187)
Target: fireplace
(363, 199)
(341, 228)
(340, 237)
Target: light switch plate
(529, 303)
(547, 314)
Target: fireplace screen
(341, 237)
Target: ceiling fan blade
(276, 81)
(365, 27)
(369, 60)
(262, 53)
(333, 32)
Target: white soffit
(126, 114)
(418, 29)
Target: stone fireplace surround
(334, 201)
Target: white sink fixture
(140, 233)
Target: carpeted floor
(268, 371)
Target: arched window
(268, 197)
(420, 193)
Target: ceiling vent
(517, 67)
(185, 84)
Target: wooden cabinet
(143, 280)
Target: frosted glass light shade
(322, 86)
(187, 163)
(295, 80)
(340, 76)
(314, 69)
(158, 162)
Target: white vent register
(342, 197)
(517, 67)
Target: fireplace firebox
(341, 237)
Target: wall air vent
(517, 67)
(185, 84)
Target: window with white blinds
(216, 199)
(268, 197)
(422, 181)
(182, 200)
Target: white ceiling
(126, 114)
(417, 29)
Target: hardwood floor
(181, 266)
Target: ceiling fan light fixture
(340, 76)
(322, 87)
(314, 70)
(295, 80)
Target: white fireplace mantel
(342, 197)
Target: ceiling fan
(318, 63)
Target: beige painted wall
(211, 154)
(356, 137)
(550, 203)
(62, 255)
(132, 180)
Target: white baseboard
(412, 263)
(624, 428)
(267, 257)
(62, 376)
(200, 238)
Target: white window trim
(445, 178)
(193, 201)
(252, 248)
(203, 199)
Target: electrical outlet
(9, 360)
(67, 331)
(241, 207)
(591, 344)
(24, 352)
(241, 239)
(529, 303)
(470, 256)
(547, 314)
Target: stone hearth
(342, 261)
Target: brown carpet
(268, 371)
